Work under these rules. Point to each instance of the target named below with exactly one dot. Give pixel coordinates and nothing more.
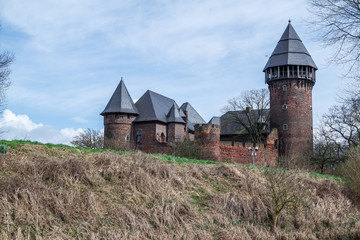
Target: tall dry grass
(63, 194)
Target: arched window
(284, 87)
(162, 137)
(284, 106)
(285, 127)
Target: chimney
(248, 109)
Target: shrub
(189, 149)
(351, 168)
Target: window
(138, 137)
(117, 116)
(284, 106)
(284, 88)
(127, 138)
(285, 127)
(128, 116)
(162, 137)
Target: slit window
(285, 127)
(284, 106)
(138, 137)
(127, 138)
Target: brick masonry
(118, 131)
(208, 136)
(297, 115)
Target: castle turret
(290, 74)
(119, 115)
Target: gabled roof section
(154, 107)
(120, 102)
(215, 120)
(193, 116)
(174, 115)
(290, 51)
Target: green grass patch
(180, 160)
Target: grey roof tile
(154, 107)
(174, 115)
(120, 102)
(193, 116)
(290, 51)
(215, 120)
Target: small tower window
(117, 116)
(138, 137)
(284, 88)
(127, 138)
(285, 127)
(162, 137)
(284, 106)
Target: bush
(351, 169)
(189, 149)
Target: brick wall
(176, 132)
(150, 143)
(298, 138)
(208, 135)
(118, 131)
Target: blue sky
(70, 56)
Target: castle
(154, 120)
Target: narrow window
(284, 87)
(162, 137)
(276, 144)
(128, 116)
(285, 127)
(284, 106)
(117, 116)
(127, 138)
(138, 137)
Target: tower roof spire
(121, 101)
(290, 51)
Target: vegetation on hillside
(59, 192)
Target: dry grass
(64, 194)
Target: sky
(71, 55)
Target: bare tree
(89, 138)
(342, 123)
(251, 111)
(6, 58)
(327, 153)
(338, 22)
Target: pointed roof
(155, 107)
(120, 102)
(290, 51)
(193, 116)
(174, 115)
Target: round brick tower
(290, 74)
(119, 114)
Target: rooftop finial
(289, 20)
(121, 79)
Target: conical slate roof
(290, 51)
(120, 102)
(174, 115)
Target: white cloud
(22, 127)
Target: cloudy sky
(70, 56)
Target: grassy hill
(60, 192)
